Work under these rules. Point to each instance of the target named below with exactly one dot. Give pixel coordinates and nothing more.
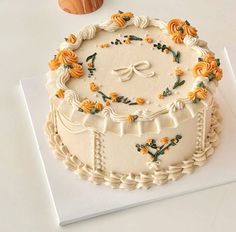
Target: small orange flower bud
(54, 63)
(143, 150)
(98, 106)
(71, 39)
(93, 87)
(113, 96)
(164, 140)
(149, 40)
(60, 93)
(140, 101)
(108, 103)
(179, 72)
(127, 41)
(161, 96)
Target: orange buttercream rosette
(209, 58)
(202, 68)
(67, 56)
(174, 25)
(208, 66)
(189, 30)
(54, 63)
(179, 29)
(199, 93)
(177, 37)
(87, 105)
(120, 18)
(98, 106)
(70, 59)
(76, 70)
(218, 73)
(93, 87)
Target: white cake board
(76, 199)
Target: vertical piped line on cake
(199, 156)
(200, 131)
(97, 151)
(204, 128)
(93, 142)
(54, 118)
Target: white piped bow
(126, 73)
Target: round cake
(132, 101)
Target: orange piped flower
(173, 26)
(54, 63)
(218, 73)
(202, 68)
(208, 58)
(143, 150)
(179, 29)
(208, 65)
(71, 39)
(179, 72)
(189, 30)
(87, 105)
(131, 118)
(108, 103)
(67, 56)
(149, 141)
(119, 18)
(191, 95)
(113, 96)
(140, 100)
(198, 93)
(76, 70)
(98, 106)
(106, 45)
(149, 40)
(177, 37)
(93, 87)
(201, 93)
(164, 140)
(60, 93)
(127, 41)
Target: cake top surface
(132, 69)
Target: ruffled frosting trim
(108, 120)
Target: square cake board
(77, 200)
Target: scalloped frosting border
(134, 181)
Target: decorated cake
(132, 101)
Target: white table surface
(29, 33)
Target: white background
(29, 34)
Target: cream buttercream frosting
(132, 101)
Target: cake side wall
(110, 152)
